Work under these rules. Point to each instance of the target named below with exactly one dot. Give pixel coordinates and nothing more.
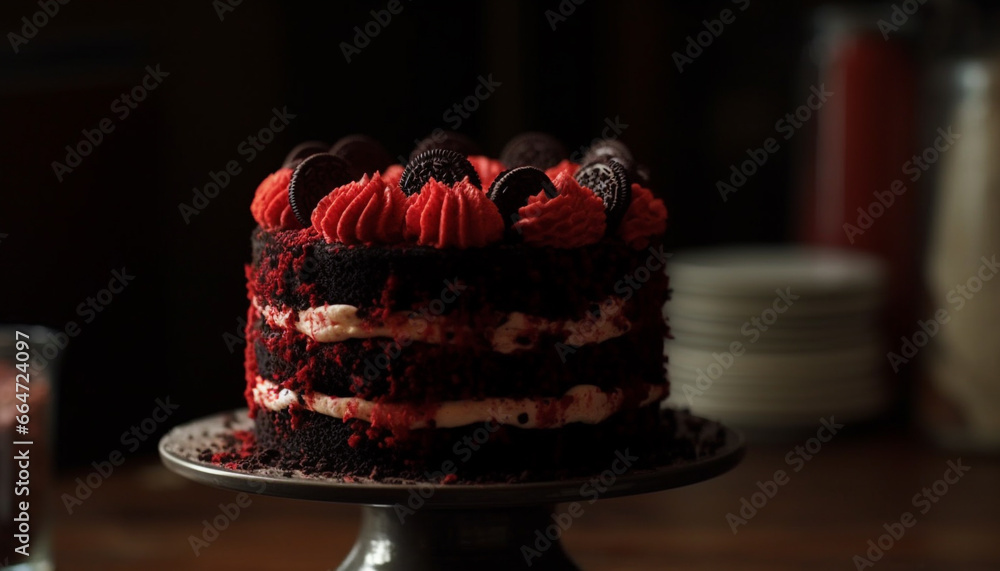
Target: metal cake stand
(421, 526)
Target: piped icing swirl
(368, 211)
(572, 219)
(392, 174)
(487, 168)
(564, 166)
(453, 216)
(428, 203)
(646, 217)
(270, 207)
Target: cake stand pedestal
(420, 526)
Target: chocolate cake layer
(479, 291)
(299, 270)
(386, 371)
(482, 452)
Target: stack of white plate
(776, 337)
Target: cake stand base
(420, 526)
(485, 539)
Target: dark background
(165, 334)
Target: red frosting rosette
(270, 207)
(565, 166)
(453, 216)
(572, 219)
(646, 217)
(486, 168)
(392, 174)
(368, 211)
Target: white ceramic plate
(800, 363)
(784, 412)
(804, 308)
(752, 270)
(730, 387)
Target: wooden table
(142, 518)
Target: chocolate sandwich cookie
(606, 150)
(302, 151)
(363, 155)
(448, 167)
(448, 140)
(314, 178)
(533, 149)
(512, 188)
(610, 182)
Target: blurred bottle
(858, 186)
(960, 388)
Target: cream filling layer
(331, 323)
(582, 403)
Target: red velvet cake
(459, 319)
